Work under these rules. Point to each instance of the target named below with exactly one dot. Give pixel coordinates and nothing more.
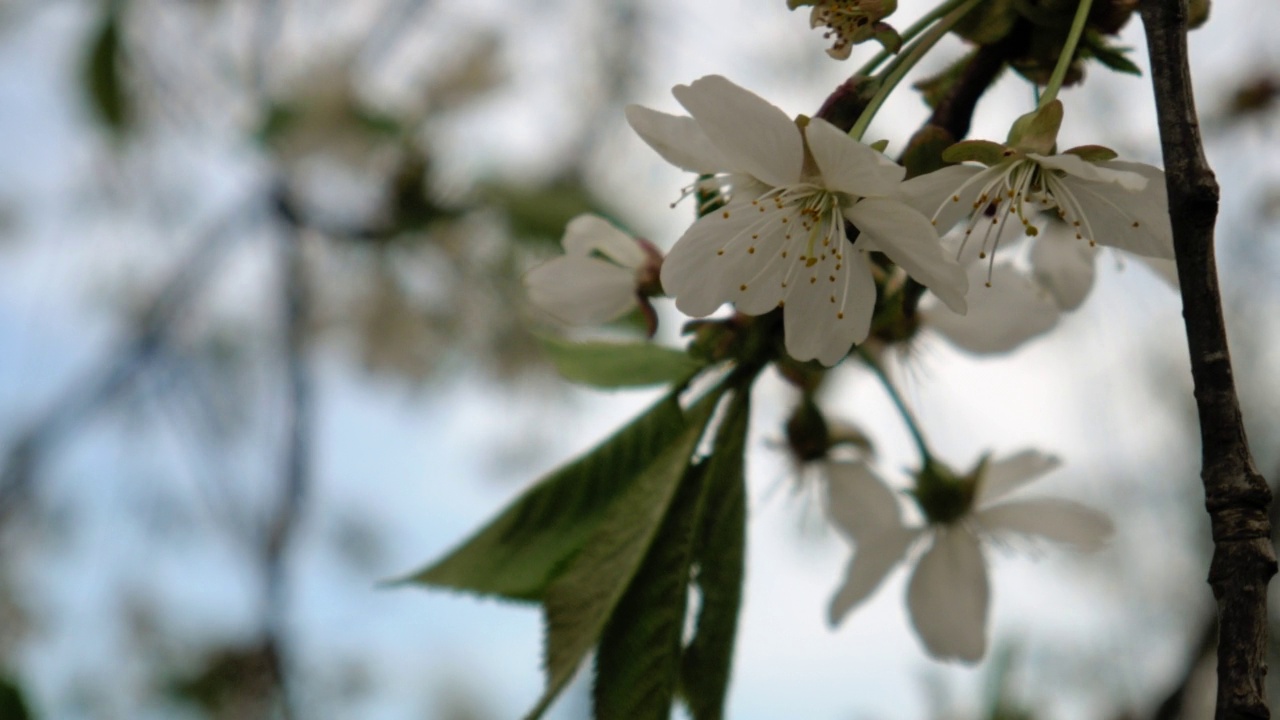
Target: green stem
(926, 458)
(909, 34)
(901, 65)
(1068, 54)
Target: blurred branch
(1236, 495)
(80, 402)
(298, 429)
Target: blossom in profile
(781, 239)
(948, 595)
(1103, 201)
(603, 273)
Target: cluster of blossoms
(798, 216)
(801, 205)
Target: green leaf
(615, 365)
(1112, 56)
(518, 554)
(102, 77)
(638, 658)
(580, 601)
(720, 555)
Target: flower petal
(1133, 221)
(1060, 521)
(581, 291)
(1063, 265)
(1075, 166)
(859, 502)
(949, 594)
(945, 196)
(678, 139)
(848, 166)
(872, 560)
(909, 239)
(753, 135)
(1013, 310)
(587, 233)
(1002, 477)
(694, 272)
(828, 309)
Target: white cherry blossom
(597, 278)
(781, 239)
(1103, 201)
(948, 594)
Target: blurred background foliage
(212, 208)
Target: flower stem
(926, 458)
(909, 34)
(893, 73)
(1068, 54)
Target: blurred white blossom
(598, 279)
(949, 592)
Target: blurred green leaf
(934, 88)
(104, 84)
(540, 212)
(12, 704)
(518, 554)
(580, 601)
(720, 556)
(616, 365)
(1110, 55)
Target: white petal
(581, 291)
(1133, 221)
(678, 139)
(1001, 317)
(754, 262)
(909, 239)
(824, 317)
(872, 560)
(753, 135)
(849, 166)
(1060, 521)
(1063, 265)
(948, 596)
(1079, 167)
(1008, 474)
(587, 233)
(694, 272)
(859, 502)
(944, 196)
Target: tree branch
(1236, 495)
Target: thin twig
(1236, 495)
(296, 473)
(19, 462)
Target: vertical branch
(1236, 495)
(296, 461)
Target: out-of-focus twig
(19, 461)
(283, 525)
(1236, 494)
